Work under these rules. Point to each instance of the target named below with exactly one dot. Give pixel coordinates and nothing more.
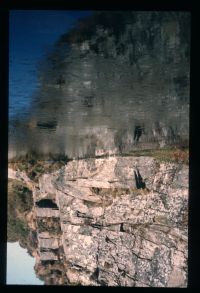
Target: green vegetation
(171, 155)
(19, 197)
(168, 155)
(20, 202)
(16, 229)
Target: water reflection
(91, 102)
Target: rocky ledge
(121, 221)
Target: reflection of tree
(118, 139)
(92, 145)
(138, 132)
(122, 140)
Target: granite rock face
(118, 221)
(118, 81)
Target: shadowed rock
(46, 203)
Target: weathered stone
(48, 256)
(113, 234)
(47, 212)
(177, 278)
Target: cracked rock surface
(107, 232)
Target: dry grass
(117, 191)
(173, 155)
(35, 166)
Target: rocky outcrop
(120, 221)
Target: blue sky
(20, 266)
(32, 34)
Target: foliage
(173, 155)
(16, 229)
(20, 202)
(19, 197)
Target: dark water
(90, 102)
(22, 84)
(31, 37)
(78, 121)
(32, 34)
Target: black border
(4, 137)
(194, 196)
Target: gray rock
(113, 234)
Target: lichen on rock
(109, 232)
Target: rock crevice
(106, 231)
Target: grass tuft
(35, 165)
(171, 155)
